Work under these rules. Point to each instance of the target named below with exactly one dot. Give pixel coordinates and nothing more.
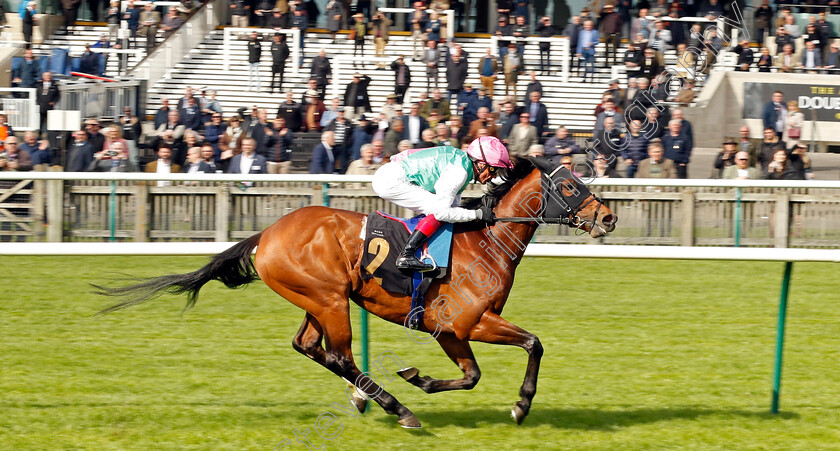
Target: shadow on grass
(585, 419)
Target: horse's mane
(521, 168)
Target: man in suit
(431, 58)
(811, 58)
(80, 153)
(248, 162)
(522, 136)
(402, 77)
(46, 95)
(539, 114)
(787, 60)
(488, 67)
(149, 21)
(774, 114)
(196, 163)
(163, 165)
(413, 125)
(323, 159)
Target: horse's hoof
(408, 373)
(518, 414)
(360, 402)
(410, 422)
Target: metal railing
(21, 111)
(100, 99)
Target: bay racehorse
(312, 257)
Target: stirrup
(413, 263)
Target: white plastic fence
(22, 112)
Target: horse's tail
(233, 267)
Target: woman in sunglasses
(430, 181)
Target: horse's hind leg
(307, 341)
(335, 323)
(461, 353)
(493, 328)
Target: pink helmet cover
(491, 151)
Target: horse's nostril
(608, 219)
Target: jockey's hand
(485, 213)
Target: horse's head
(567, 199)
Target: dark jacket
(291, 112)
(52, 95)
(423, 125)
(348, 131)
(321, 70)
(79, 157)
(191, 118)
(161, 116)
(545, 31)
(203, 166)
(769, 115)
(280, 146)
(396, 67)
(89, 63)
(540, 120)
(258, 166)
(356, 94)
(323, 161)
(279, 55)
(677, 148)
(29, 73)
(254, 50)
(456, 73)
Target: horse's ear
(542, 163)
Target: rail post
(780, 338)
(738, 193)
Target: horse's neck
(523, 200)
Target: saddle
(385, 236)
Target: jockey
(430, 181)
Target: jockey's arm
(447, 190)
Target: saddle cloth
(385, 236)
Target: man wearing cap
(430, 181)
(389, 110)
(741, 169)
(610, 23)
(512, 66)
(725, 158)
(402, 77)
(488, 67)
(356, 96)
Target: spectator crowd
(636, 132)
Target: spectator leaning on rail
(429, 181)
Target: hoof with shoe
(409, 422)
(408, 373)
(518, 414)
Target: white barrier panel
(533, 250)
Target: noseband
(559, 208)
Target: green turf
(638, 355)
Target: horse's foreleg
(493, 328)
(461, 353)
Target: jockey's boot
(407, 259)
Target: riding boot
(407, 259)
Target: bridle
(567, 206)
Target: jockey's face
(485, 172)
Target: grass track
(638, 355)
